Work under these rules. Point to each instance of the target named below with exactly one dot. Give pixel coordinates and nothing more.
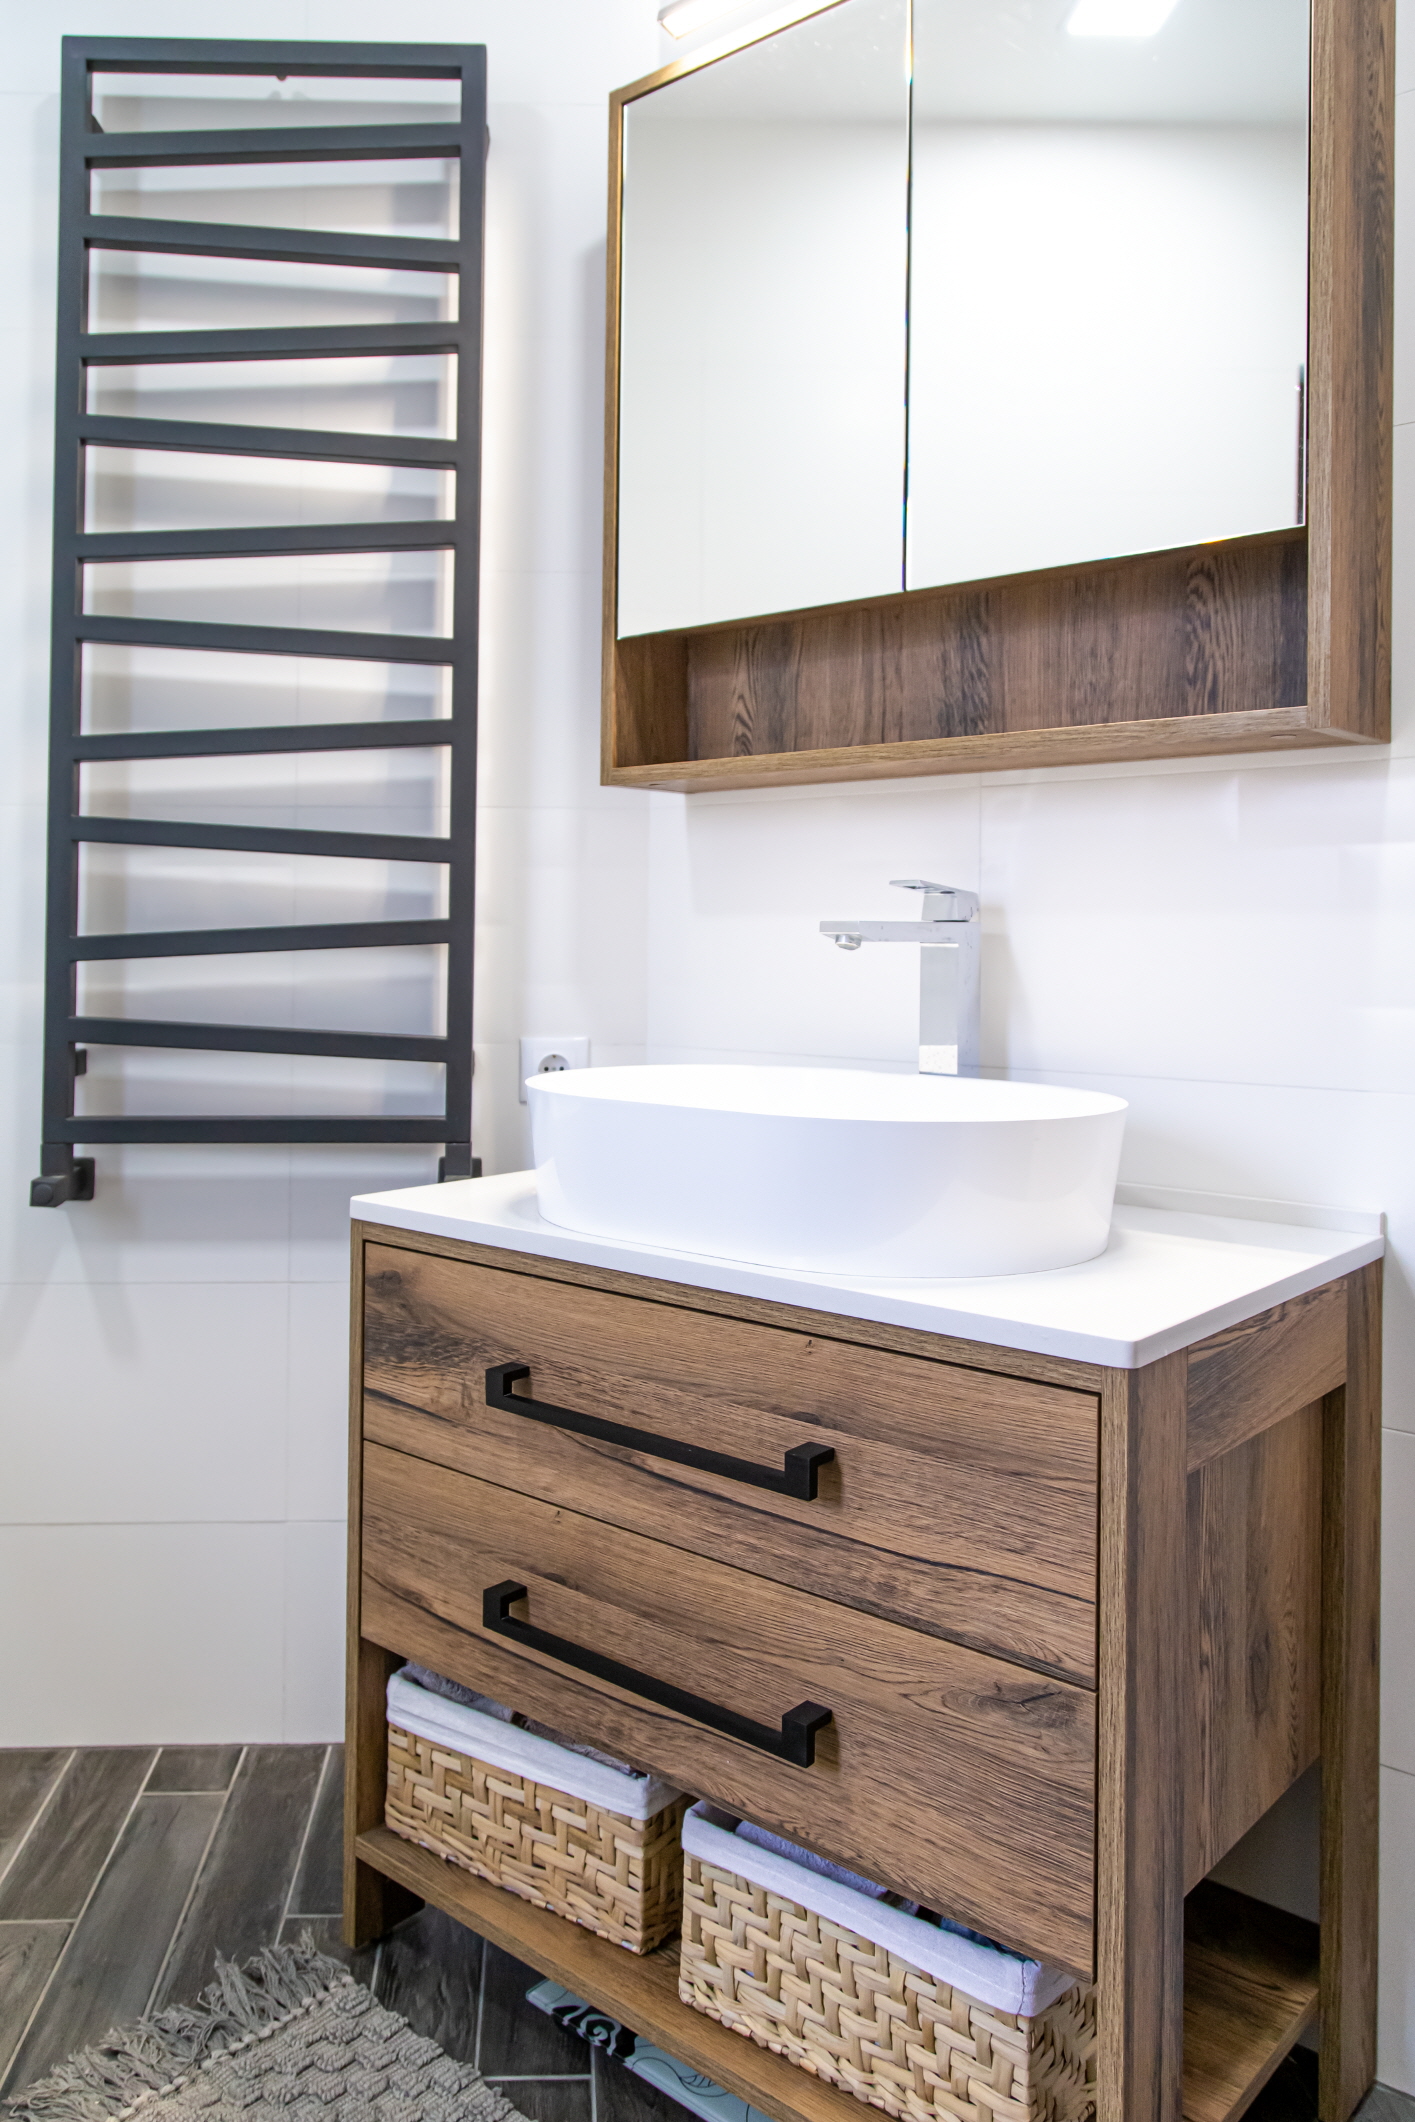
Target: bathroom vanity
(1082, 1565)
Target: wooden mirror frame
(1276, 641)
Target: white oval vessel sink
(837, 1170)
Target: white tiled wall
(1228, 944)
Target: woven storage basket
(862, 2017)
(617, 1875)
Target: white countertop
(1178, 1267)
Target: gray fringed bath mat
(291, 2037)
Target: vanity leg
(372, 1904)
(1140, 1798)
(1351, 1560)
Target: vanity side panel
(1263, 1369)
(1351, 1703)
(1254, 1536)
(1142, 1701)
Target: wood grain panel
(976, 1356)
(1351, 1698)
(1250, 1992)
(1349, 363)
(1203, 630)
(372, 1901)
(1255, 1537)
(1265, 1368)
(925, 1731)
(1139, 1802)
(958, 1503)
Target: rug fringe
(103, 2082)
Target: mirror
(764, 266)
(1108, 281)
(1044, 303)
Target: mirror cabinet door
(764, 272)
(1108, 279)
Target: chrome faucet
(948, 970)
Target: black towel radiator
(84, 148)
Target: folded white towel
(995, 1977)
(524, 1753)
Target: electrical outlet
(545, 1054)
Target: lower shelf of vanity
(1250, 1990)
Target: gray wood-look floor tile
(325, 1932)
(551, 2099)
(194, 1768)
(319, 1883)
(518, 2041)
(430, 1970)
(116, 1949)
(27, 1775)
(1384, 2104)
(239, 1902)
(53, 1873)
(28, 1952)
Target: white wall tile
(138, 1634)
(1395, 2052)
(317, 1436)
(143, 1401)
(1398, 1602)
(313, 1673)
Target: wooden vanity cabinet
(1079, 1628)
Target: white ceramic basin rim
(831, 1170)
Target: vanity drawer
(957, 1502)
(957, 1779)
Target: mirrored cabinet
(999, 382)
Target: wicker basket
(613, 1873)
(860, 2016)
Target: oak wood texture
(1254, 1632)
(919, 1722)
(1140, 1796)
(1351, 1564)
(1250, 1375)
(1349, 365)
(372, 1902)
(727, 1304)
(1256, 643)
(1250, 1992)
(958, 1503)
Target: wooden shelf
(1250, 1989)
(643, 1992)
(1250, 1993)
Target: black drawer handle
(795, 1742)
(797, 1477)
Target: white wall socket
(545, 1053)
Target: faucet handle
(942, 902)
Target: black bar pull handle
(795, 1742)
(796, 1477)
